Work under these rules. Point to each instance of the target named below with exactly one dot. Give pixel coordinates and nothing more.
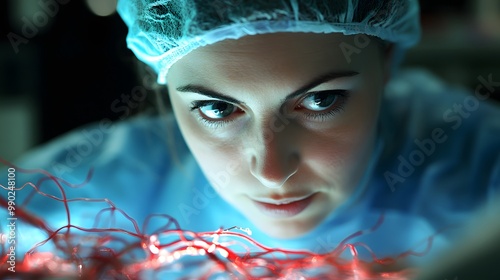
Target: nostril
(272, 185)
(274, 174)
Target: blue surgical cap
(160, 32)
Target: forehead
(278, 58)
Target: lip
(283, 208)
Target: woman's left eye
(319, 101)
(321, 105)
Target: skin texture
(268, 148)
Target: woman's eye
(216, 109)
(214, 113)
(320, 101)
(323, 105)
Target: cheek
(220, 164)
(221, 160)
(344, 151)
(342, 158)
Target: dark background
(76, 65)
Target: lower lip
(284, 210)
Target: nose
(275, 160)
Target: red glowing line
(73, 258)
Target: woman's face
(282, 125)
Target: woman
(298, 123)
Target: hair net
(163, 31)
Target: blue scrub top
(437, 163)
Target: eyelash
(195, 105)
(343, 95)
(318, 116)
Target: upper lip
(283, 199)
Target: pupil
(323, 100)
(220, 108)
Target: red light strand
(98, 252)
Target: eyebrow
(313, 83)
(320, 80)
(207, 92)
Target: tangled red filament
(106, 252)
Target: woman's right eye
(213, 112)
(216, 109)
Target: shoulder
(105, 143)
(112, 160)
(440, 161)
(126, 164)
(417, 101)
(440, 138)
